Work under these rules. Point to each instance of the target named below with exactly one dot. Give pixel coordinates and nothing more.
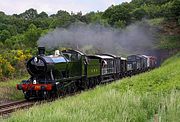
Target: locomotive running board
(108, 80)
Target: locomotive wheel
(90, 83)
(54, 94)
(27, 95)
(87, 83)
(46, 95)
(68, 89)
(74, 87)
(61, 93)
(79, 85)
(97, 81)
(94, 82)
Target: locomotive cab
(76, 65)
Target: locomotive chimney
(41, 51)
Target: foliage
(6, 68)
(173, 10)
(139, 9)
(29, 14)
(43, 15)
(12, 63)
(4, 35)
(32, 35)
(120, 24)
(119, 12)
(15, 42)
(61, 19)
(138, 13)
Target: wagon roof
(104, 57)
(122, 58)
(108, 54)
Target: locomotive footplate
(35, 87)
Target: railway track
(6, 109)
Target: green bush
(6, 69)
(12, 63)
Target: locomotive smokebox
(41, 51)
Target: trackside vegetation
(8, 91)
(152, 96)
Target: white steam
(135, 38)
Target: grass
(152, 96)
(8, 90)
(100, 105)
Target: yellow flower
(10, 68)
(19, 52)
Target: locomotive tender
(72, 70)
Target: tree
(139, 3)
(61, 14)
(32, 35)
(89, 17)
(12, 29)
(79, 17)
(61, 19)
(2, 13)
(153, 11)
(12, 42)
(119, 24)
(119, 12)
(173, 10)
(29, 14)
(93, 17)
(138, 13)
(43, 15)
(4, 35)
(3, 26)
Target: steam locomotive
(71, 70)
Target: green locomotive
(58, 74)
